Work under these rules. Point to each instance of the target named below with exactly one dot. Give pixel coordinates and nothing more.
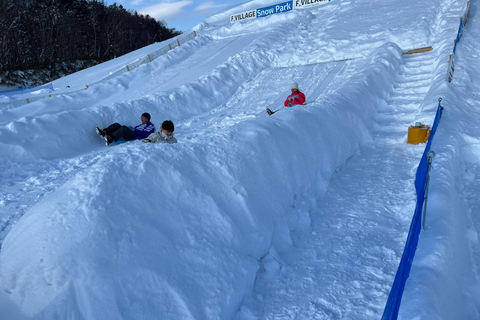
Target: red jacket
(298, 100)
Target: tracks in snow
(20, 192)
(269, 89)
(359, 226)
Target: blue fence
(395, 296)
(459, 35)
(451, 60)
(26, 90)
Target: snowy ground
(301, 215)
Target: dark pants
(117, 131)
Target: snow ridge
(299, 215)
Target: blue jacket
(144, 130)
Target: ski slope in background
(301, 215)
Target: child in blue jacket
(116, 131)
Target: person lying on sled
(116, 131)
(297, 97)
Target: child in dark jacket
(116, 131)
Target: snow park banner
(276, 8)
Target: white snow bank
(178, 230)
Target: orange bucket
(419, 133)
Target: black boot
(100, 132)
(108, 139)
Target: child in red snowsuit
(296, 97)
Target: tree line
(41, 33)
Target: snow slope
(303, 214)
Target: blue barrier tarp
(395, 297)
(459, 35)
(14, 92)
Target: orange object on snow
(419, 133)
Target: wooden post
(170, 46)
(128, 69)
(178, 42)
(149, 58)
(420, 50)
(86, 87)
(195, 33)
(28, 101)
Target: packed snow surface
(300, 215)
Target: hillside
(45, 40)
(300, 215)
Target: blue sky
(181, 15)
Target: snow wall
(149, 229)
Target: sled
(120, 141)
(270, 112)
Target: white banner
(300, 4)
(252, 14)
